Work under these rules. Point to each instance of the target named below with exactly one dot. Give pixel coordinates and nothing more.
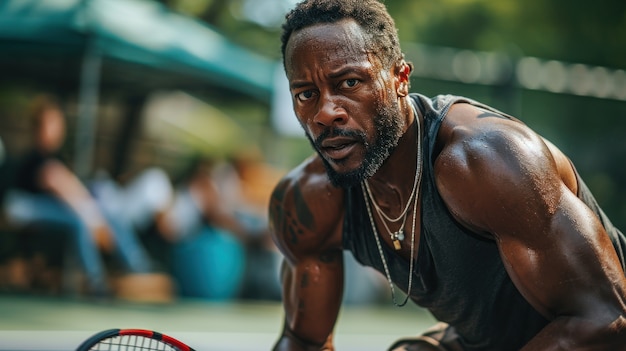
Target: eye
(305, 95)
(349, 83)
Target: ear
(402, 73)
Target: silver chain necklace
(398, 236)
(406, 208)
(365, 189)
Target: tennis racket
(132, 340)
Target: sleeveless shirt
(458, 276)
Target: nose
(330, 113)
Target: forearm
(571, 334)
(63, 184)
(88, 211)
(311, 309)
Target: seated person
(46, 191)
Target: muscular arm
(503, 180)
(305, 220)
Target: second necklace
(398, 236)
(414, 197)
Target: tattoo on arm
(292, 225)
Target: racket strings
(132, 343)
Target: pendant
(396, 244)
(396, 238)
(399, 235)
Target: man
(467, 210)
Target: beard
(388, 127)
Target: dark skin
(569, 273)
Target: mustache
(336, 132)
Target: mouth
(338, 148)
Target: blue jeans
(23, 208)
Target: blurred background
(175, 123)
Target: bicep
(568, 267)
(553, 246)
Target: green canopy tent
(131, 47)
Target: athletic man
(472, 214)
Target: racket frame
(112, 333)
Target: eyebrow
(341, 72)
(297, 85)
(358, 68)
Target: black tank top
(459, 277)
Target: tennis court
(38, 323)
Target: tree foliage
(589, 32)
(569, 30)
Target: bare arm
(502, 179)
(305, 220)
(56, 178)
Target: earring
(402, 89)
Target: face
(344, 98)
(51, 132)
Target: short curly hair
(371, 15)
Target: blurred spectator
(199, 227)
(138, 199)
(197, 186)
(186, 226)
(255, 179)
(208, 242)
(47, 193)
(247, 181)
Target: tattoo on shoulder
(292, 220)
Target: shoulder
(306, 210)
(472, 138)
(489, 166)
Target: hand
(439, 337)
(417, 346)
(103, 238)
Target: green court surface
(50, 324)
